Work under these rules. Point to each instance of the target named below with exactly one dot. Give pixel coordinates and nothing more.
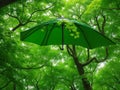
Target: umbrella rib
(85, 37)
(47, 35)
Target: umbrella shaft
(62, 36)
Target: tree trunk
(85, 82)
(72, 52)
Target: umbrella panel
(93, 38)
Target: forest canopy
(28, 66)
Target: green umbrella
(65, 32)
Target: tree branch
(20, 23)
(97, 23)
(16, 27)
(69, 50)
(13, 16)
(29, 68)
(5, 85)
(102, 26)
(38, 11)
(103, 23)
(89, 61)
(74, 50)
(96, 60)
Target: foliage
(26, 66)
(108, 77)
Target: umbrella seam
(85, 37)
(47, 35)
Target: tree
(25, 66)
(108, 77)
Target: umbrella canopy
(65, 32)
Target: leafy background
(26, 66)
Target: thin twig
(103, 23)
(29, 68)
(20, 23)
(97, 23)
